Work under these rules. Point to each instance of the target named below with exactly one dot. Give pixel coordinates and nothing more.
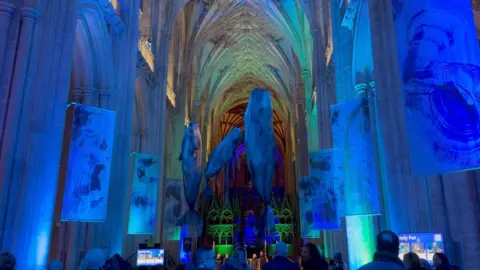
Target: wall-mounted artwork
(89, 159)
(143, 200)
(439, 56)
(174, 208)
(354, 158)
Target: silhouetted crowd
(386, 257)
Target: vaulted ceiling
(234, 46)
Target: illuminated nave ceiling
(233, 46)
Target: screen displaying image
(425, 245)
(150, 257)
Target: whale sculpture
(260, 147)
(220, 156)
(191, 158)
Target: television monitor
(150, 257)
(425, 245)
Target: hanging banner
(317, 196)
(325, 195)
(354, 159)
(174, 208)
(89, 159)
(439, 56)
(143, 200)
(306, 187)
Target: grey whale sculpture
(220, 156)
(191, 158)
(260, 148)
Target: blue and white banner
(88, 171)
(143, 200)
(354, 159)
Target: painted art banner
(143, 200)
(354, 158)
(317, 197)
(174, 207)
(439, 63)
(307, 226)
(91, 136)
(325, 195)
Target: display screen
(425, 245)
(150, 257)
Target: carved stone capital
(6, 9)
(29, 14)
(89, 91)
(104, 92)
(76, 95)
(104, 95)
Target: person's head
(261, 253)
(204, 257)
(440, 259)
(310, 252)
(219, 256)
(7, 261)
(226, 256)
(387, 241)
(281, 249)
(254, 256)
(411, 260)
(240, 254)
(337, 257)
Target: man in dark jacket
(280, 260)
(386, 257)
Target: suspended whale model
(191, 158)
(221, 156)
(260, 148)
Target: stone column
(6, 11)
(158, 128)
(442, 196)
(76, 95)
(290, 178)
(103, 97)
(89, 95)
(125, 47)
(311, 119)
(399, 185)
(321, 30)
(15, 132)
(301, 138)
(35, 150)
